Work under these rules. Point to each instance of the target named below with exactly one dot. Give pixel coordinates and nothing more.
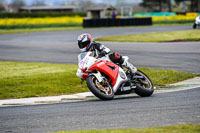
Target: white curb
(82, 96)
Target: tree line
(149, 5)
(168, 5)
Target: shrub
(41, 14)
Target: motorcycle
(106, 79)
(197, 23)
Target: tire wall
(116, 22)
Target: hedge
(173, 22)
(40, 14)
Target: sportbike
(106, 79)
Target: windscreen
(81, 56)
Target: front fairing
(109, 68)
(85, 61)
(88, 64)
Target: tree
(16, 4)
(169, 5)
(156, 5)
(38, 3)
(85, 4)
(194, 4)
(2, 8)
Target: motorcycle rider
(85, 44)
(197, 22)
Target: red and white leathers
(197, 20)
(101, 50)
(85, 44)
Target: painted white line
(54, 99)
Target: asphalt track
(61, 47)
(129, 112)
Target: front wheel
(144, 85)
(101, 90)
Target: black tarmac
(130, 112)
(61, 47)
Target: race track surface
(129, 112)
(61, 47)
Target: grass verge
(172, 24)
(189, 35)
(23, 79)
(186, 128)
(38, 26)
(47, 29)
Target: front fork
(98, 75)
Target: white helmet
(84, 41)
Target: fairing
(108, 68)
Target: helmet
(84, 41)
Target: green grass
(164, 77)
(189, 128)
(173, 24)
(189, 35)
(169, 22)
(28, 30)
(23, 79)
(60, 27)
(18, 79)
(38, 26)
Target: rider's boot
(129, 66)
(194, 26)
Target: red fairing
(84, 77)
(108, 68)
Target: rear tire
(194, 26)
(102, 92)
(144, 87)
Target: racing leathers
(100, 50)
(197, 22)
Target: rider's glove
(101, 54)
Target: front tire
(101, 91)
(144, 86)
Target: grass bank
(23, 79)
(189, 35)
(189, 128)
(61, 27)
(42, 29)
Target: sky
(57, 2)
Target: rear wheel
(144, 86)
(101, 90)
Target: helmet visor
(80, 44)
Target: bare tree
(156, 5)
(194, 4)
(169, 5)
(38, 3)
(86, 4)
(2, 8)
(16, 4)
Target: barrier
(150, 14)
(116, 22)
(164, 14)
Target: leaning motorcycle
(106, 79)
(197, 22)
